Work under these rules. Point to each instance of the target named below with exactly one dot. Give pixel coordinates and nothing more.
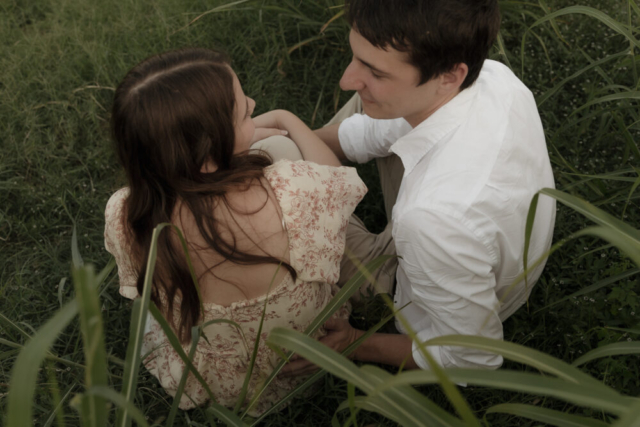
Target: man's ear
(453, 79)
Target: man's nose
(351, 79)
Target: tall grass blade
(94, 408)
(25, 370)
(598, 285)
(226, 416)
(593, 213)
(195, 338)
(593, 396)
(594, 13)
(56, 414)
(544, 415)
(614, 349)
(119, 400)
(136, 332)
(175, 343)
(76, 258)
(609, 98)
(339, 299)
(315, 377)
(517, 353)
(549, 93)
(622, 241)
(397, 401)
(632, 419)
(531, 216)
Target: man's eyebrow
(372, 68)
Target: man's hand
(340, 334)
(263, 133)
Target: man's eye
(375, 75)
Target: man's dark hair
(437, 34)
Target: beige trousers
(362, 245)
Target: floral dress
(316, 203)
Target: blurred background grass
(61, 59)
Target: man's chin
(375, 113)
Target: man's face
(388, 83)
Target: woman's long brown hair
(171, 114)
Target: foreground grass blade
(315, 377)
(614, 349)
(175, 343)
(136, 332)
(608, 98)
(226, 416)
(598, 285)
(25, 370)
(94, 408)
(411, 399)
(403, 407)
(592, 396)
(544, 415)
(520, 354)
(632, 419)
(594, 13)
(195, 338)
(349, 288)
(117, 399)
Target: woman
(257, 232)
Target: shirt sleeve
(115, 243)
(363, 138)
(449, 267)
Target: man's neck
(415, 119)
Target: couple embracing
(460, 150)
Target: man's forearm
(329, 134)
(389, 349)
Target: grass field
(61, 59)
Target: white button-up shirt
(471, 170)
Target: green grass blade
(598, 285)
(415, 405)
(119, 400)
(502, 50)
(531, 216)
(339, 299)
(549, 93)
(175, 343)
(632, 419)
(518, 353)
(594, 13)
(76, 258)
(342, 367)
(626, 95)
(622, 241)
(315, 377)
(25, 370)
(544, 415)
(195, 338)
(226, 416)
(593, 213)
(56, 413)
(94, 408)
(589, 395)
(136, 332)
(614, 349)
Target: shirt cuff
(351, 136)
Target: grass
(60, 59)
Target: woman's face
(244, 126)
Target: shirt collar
(413, 146)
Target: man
(461, 152)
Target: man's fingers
(263, 133)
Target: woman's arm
(311, 147)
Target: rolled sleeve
(363, 138)
(450, 270)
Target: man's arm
(389, 349)
(329, 134)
